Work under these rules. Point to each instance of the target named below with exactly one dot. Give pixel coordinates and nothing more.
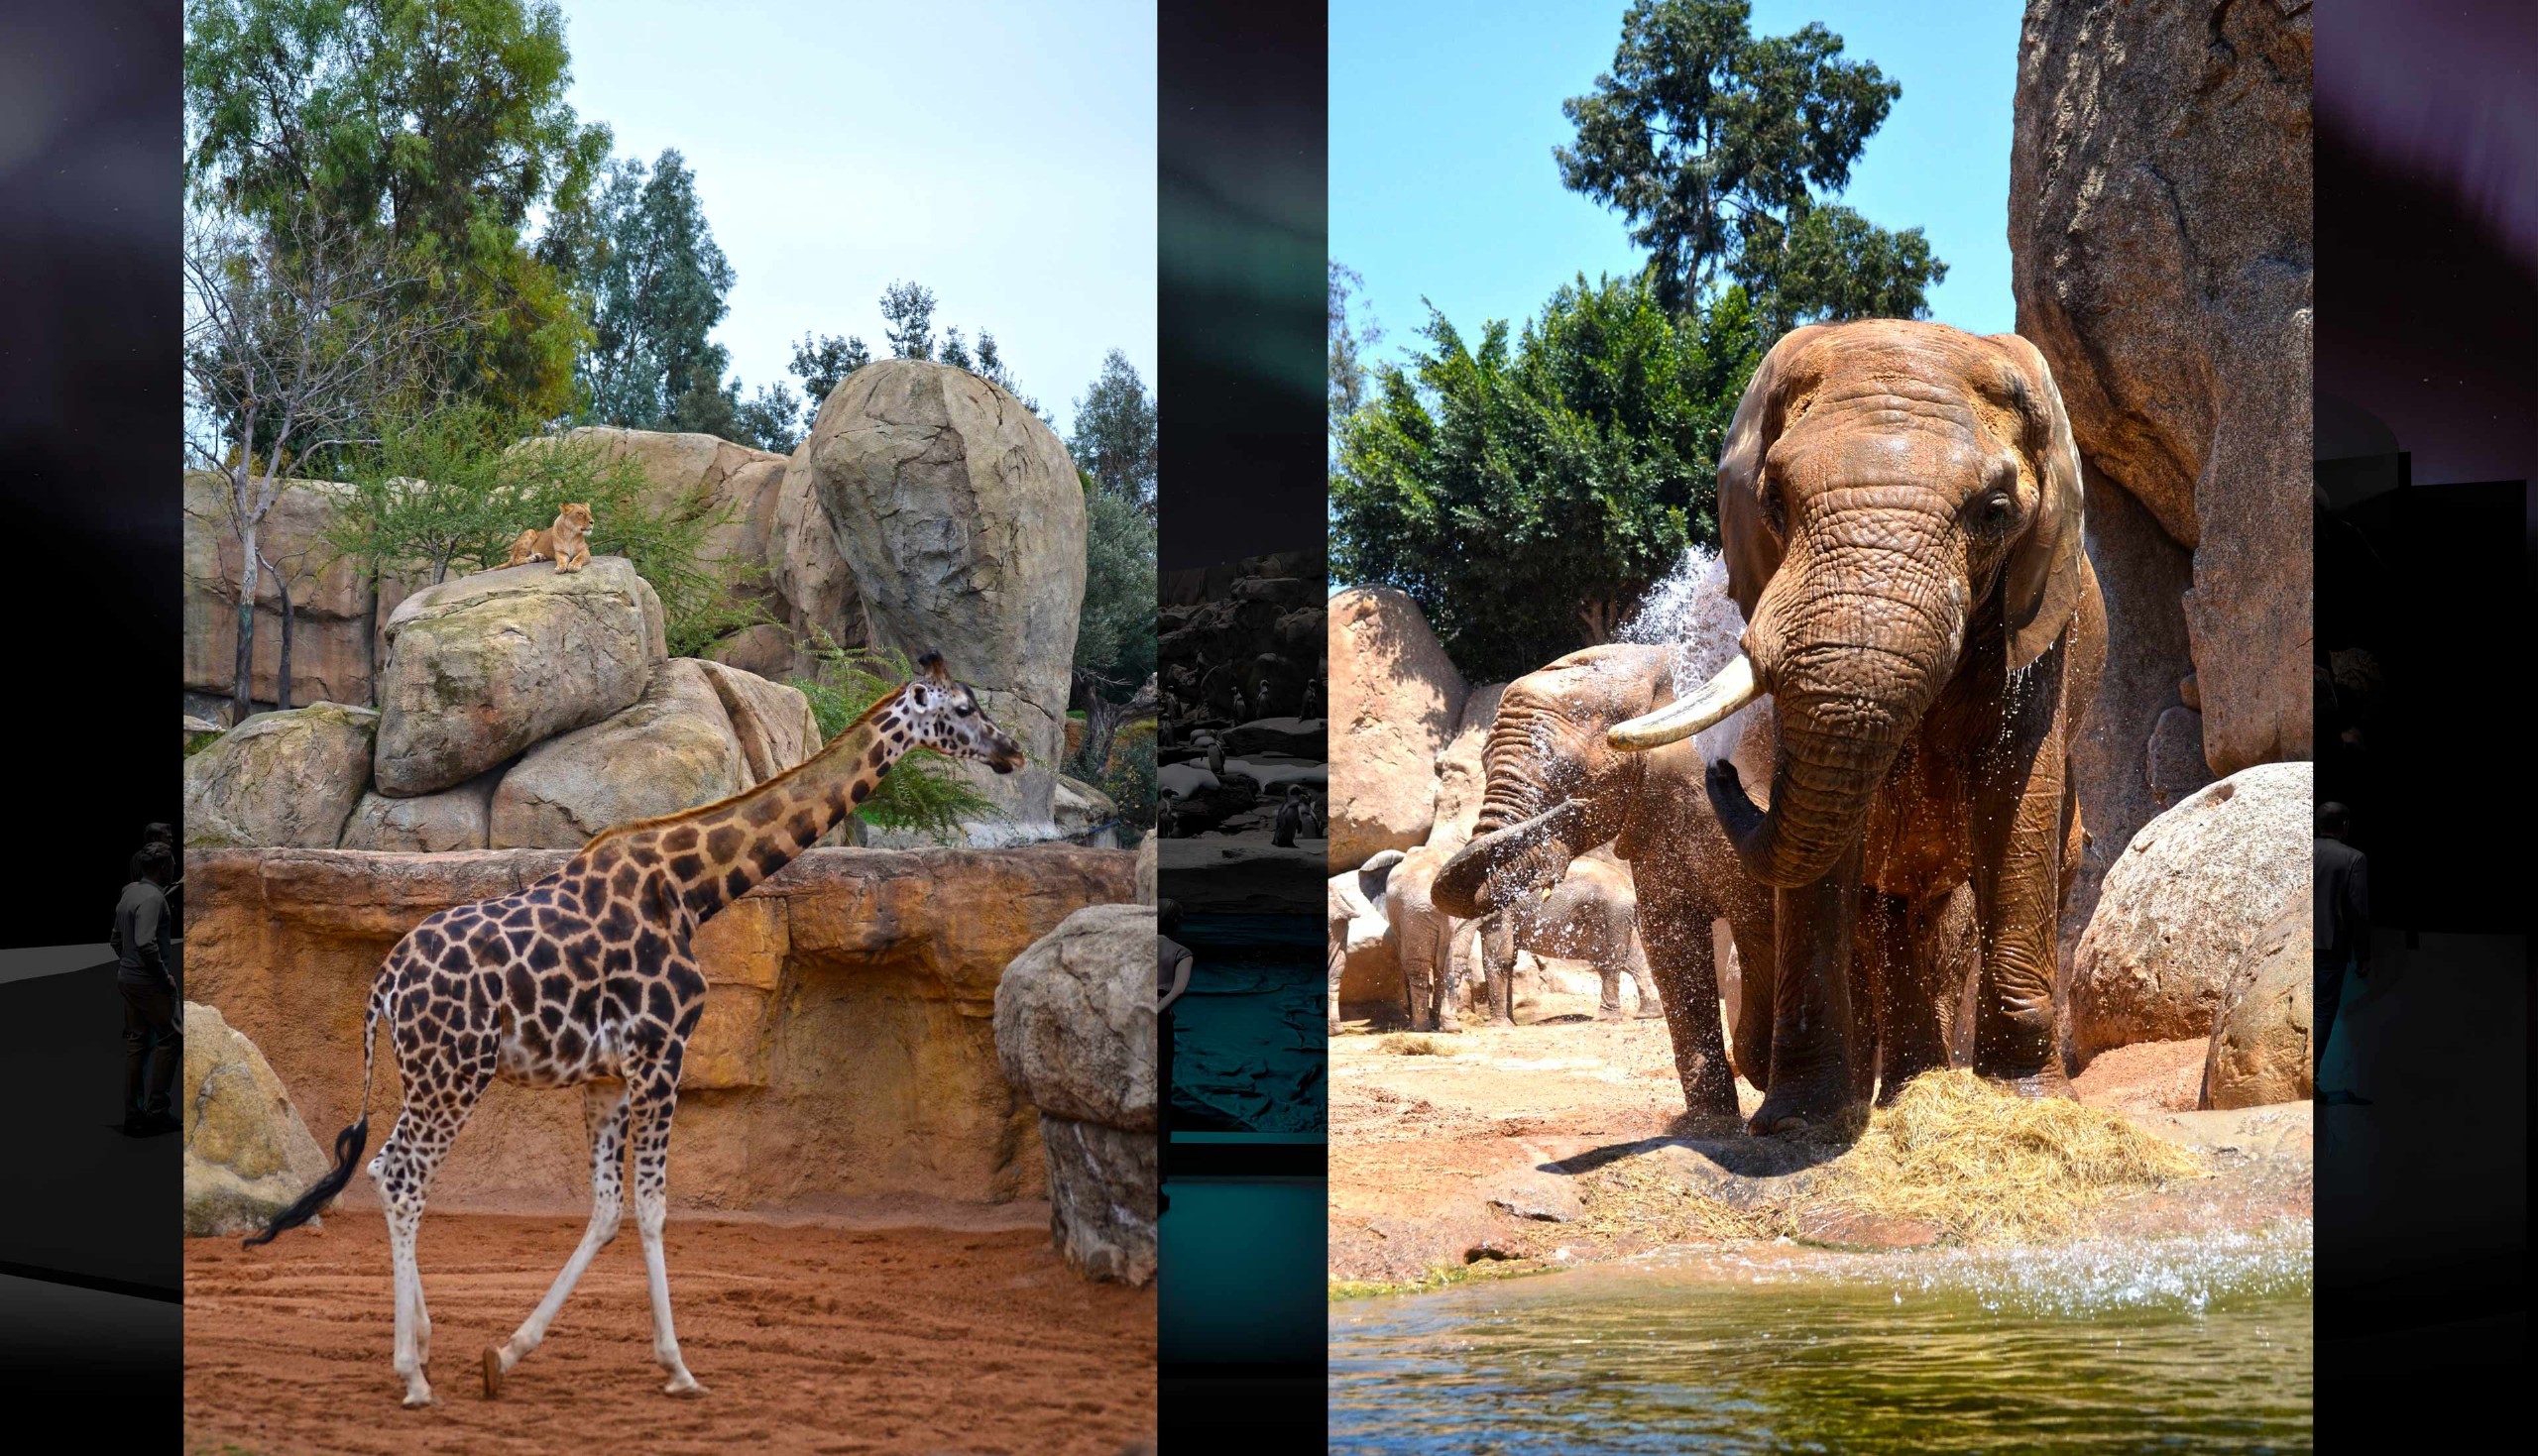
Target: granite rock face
(2161, 257)
(672, 749)
(331, 606)
(1075, 1032)
(2183, 912)
(961, 516)
(281, 779)
(248, 1155)
(482, 667)
(1395, 700)
(2262, 1048)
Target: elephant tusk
(1733, 688)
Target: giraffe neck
(713, 854)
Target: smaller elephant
(1353, 912)
(1592, 914)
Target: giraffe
(586, 978)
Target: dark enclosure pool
(1248, 1049)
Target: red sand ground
(807, 1339)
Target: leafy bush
(1129, 778)
(923, 793)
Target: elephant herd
(1899, 508)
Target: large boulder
(428, 824)
(2262, 1048)
(480, 667)
(2160, 252)
(848, 1043)
(1146, 864)
(1075, 1032)
(331, 603)
(1395, 700)
(772, 723)
(963, 520)
(2183, 911)
(1294, 737)
(282, 779)
(674, 749)
(248, 1155)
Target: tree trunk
(1103, 721)
(240, 703)
(281, 670)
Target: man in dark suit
(2342, 933)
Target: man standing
(2342, 933)
(152, 1041)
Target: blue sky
(1443, 116)
(1002, 153)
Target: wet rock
(281, 779)
(1395, 700)
(247, 1153)
(2161, 256)
(482, 667)
(2262, 1048)
(1843, 1228)
(2183, 911)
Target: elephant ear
(2045, 576)
(1752, 552)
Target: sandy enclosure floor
(807, 1339)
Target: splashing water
(1691, 612)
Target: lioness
(566, 543)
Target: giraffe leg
(403, 1171)
(603, 1109)
(654, 1105)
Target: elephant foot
(1820, 1102)
(1611, 1013)
(1450, 1025)
(1503, 1019)
(1648, 1011)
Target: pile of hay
(1416, 1046)
(1979, 1164)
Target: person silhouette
(152, 1041)
(2342, 932)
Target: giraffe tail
(348, 1143)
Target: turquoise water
(1249, 1053)
(2105, 1348)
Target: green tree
(822, 364)
(657, 282)
(1526, 493)
(907, 320)
(1114, 638)
(922, 793)
(1350, 341)
(1115, 433)
(440, 124)
(1720, 147)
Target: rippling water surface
(2096, 1348)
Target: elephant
(1591, 914)
(1654, 807)
(1901, 513)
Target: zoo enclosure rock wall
(2161, 257)
(1395, 703)
(848, 1047)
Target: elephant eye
(1774, 515)
(1994, 512)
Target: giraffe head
(943, 715)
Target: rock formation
(960, 512)
(280, 778)
(331, 606)
(1395, 699)
(2262, 1047)
(672, 748)
(848, 1012)
(480, 667)
(248, 1155)
(1074, 1030)
(2161, 257)
(2183, 911)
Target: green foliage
(1720, 145)
(923, 792)
(1527, 493)
(1350, 342)
(822, 364)
(1114, 638)
(437, 125)
(1129, 777)
(440, 493)
(1115, 433)
(656, 280)
(907, 314)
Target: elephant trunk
(1850, 675)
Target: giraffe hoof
(493, 1374)
(416, 1399)
(685, 1384)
